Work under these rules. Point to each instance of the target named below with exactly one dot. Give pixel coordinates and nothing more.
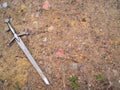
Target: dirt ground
(79, 38)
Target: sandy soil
(79, 38)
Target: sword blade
(32, 60)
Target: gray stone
(39, 8)
(74, 66)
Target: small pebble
(40, 62)
(89, 85)
(51, 28)
(118, 81)
(45, 39)
(30, 6)
(37, 14)
(39, 8)
(48, 70)
(35, 23)
(5, 5)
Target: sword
(17, 38)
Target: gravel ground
(68, 38)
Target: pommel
(7, 20)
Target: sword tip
(46, 81)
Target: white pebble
(118, 81)
(45, 39)
(5, 5)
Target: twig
(63, 75)
(110, 84)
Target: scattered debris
(46, 5)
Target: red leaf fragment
(60, 52)
(46, 5)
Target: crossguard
(15, 36)
(19, 35)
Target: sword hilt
(7, 20)
(25, 50)
(15, 36)
(19, 35)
